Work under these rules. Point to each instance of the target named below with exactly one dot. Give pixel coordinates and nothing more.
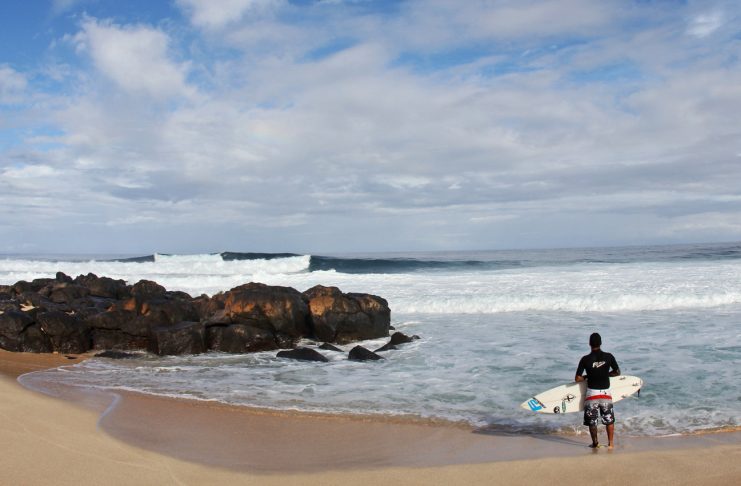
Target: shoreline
(268, 445)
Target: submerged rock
(303, 354)
(359, 353)
(329, 347)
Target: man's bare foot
(594, 445)
(610, 447)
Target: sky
(332, 126)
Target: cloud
(12, 85)
(703, 25)
(348, 128)
(210, 14)
(61, 6)
(136, 58)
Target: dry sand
(46, 440)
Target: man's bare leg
(610, 435)
(594, 432)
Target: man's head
(595, 340)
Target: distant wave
(326, 263)
(467, 261)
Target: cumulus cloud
(437, 124)
(135, 57)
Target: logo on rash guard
(597, 364)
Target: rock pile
(69, 315)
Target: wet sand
(152, 440)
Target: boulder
(240, 338)
(181, 338)
(163, 311)
(64, 293)
(281, 309)
(62, 277)
(208, 306)
(118, 329)
(9, 304)
(12, 325)
(397, 338)
(344, 318)
(104, 286)
(359, 353)
(66, 333)
(118, 340)
(303, 354)
(146, 289)
(34, 340)
(33, 299)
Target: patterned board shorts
(593, 409)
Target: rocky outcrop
(69, 315)
(344, 318)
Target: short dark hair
(595, 340)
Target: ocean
(496, 327)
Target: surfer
(599, 367)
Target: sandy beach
(151, 440)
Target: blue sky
(359, 125)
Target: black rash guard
(598, 366)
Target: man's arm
(614, 367)
(579, 371)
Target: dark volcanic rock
(281, 309)
(303, 354)
(12, 324)
(208, 306)
(62, 293)
(66, 333)
(114, 339)
(104, 286)
(34, 340)
(329, 347)
(146, 289)
(343, 318)
(182, 338)
(118, 329)
(36, 300)
(359, 353)
(162, 311)
(240, 338)
(397, 338)
(9, 304)
(385, 347)
(89, 312)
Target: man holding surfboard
(599, 367)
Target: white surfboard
(570, 398)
